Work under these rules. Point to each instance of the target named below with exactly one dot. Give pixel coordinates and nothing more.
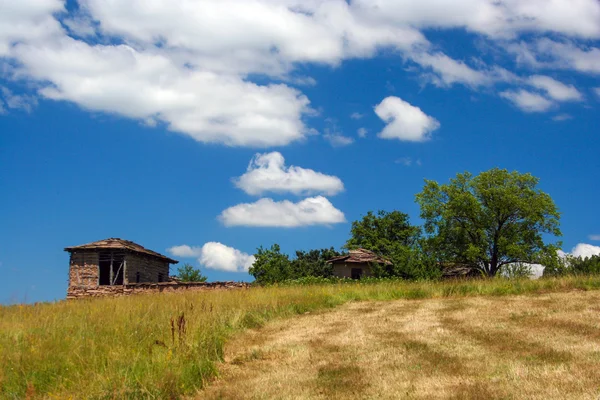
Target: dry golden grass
(515, 347)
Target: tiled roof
(119, 244)
(360, 256)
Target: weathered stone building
(356, 264)
(113, 262)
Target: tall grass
(166, 345)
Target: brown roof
(360, 256)
(120, 244)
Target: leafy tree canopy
(313, 263)
(383, 233)
(575, 266)
(489, 220)
(271, 265)
(187, 273)
(391, 235)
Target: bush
(516, 271)
(187, 273)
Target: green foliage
(313, 263)
(489, 220)
(574, 266)
(390, 235)
(383, 233)
(187, 273)
(272, 266)
(516, 271)
(585, 266)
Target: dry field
(544, 346)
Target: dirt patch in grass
(515, 347)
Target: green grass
(167, 345)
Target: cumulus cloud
(594, 237)
(356, 115)
(404, 121)
(185, 251)
(29, 21)
(204, 105)
(555, 89)
(215, 255)
(585, 250)
(268, 213)
(362, 132)
(188, 66)
(528, 101)
(218, 256)
(267, 172)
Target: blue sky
(205, 129)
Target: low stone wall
(79, 292)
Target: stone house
(356, 264)
(113, 262)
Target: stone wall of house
(148, 267)
(80, 292)
(83, 269)
(343, 270)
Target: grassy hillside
(163, 346)
(513, 347)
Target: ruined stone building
(356, 264)
(115, 261)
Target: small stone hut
(115, 261)
(356, 264)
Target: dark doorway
(111, 268)
(356, 273)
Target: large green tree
(383, 233)
(391, 235)
(314, 263)
(270, 265)
(489, 220)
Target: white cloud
(218, 256)
(527, 101)
(555, 89)
(204, 105)
(362, 132)
(496, 19)
(338, 140)
(267, 172)
(188, 65)
(594, 237)
(18, 101)
(597, 90)
(547, 53)
(268, 213)
(356, 115)
(28, 20)
(404, 121)
(585, 250)
(215, 255)
(185, 251)
(449, 71)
